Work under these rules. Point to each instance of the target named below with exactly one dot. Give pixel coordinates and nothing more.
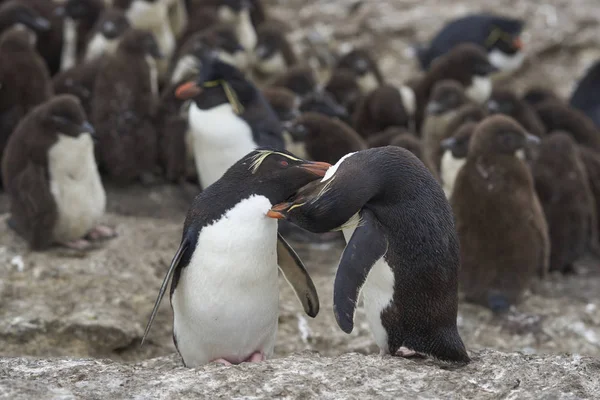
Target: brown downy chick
(385, 137)
(501, 225)
(505, 101)
(283, 101)
(273, 53)
(538, 94)
(318, 137)
(24, 79)
(300, 79)
(344, 88)
(562, 185)
(78, 81)
(364, 68)
(106, 34)
(125, 100)
(455, 150)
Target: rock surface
(306, 375)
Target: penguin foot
(408, 353)
(222, 361)
(256, 357)
(101, 232)
(79, 244)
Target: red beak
(518, 43)
(316, 167)
(276, 211)
(187, 90)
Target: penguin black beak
(448, 144)
(435, 108)
(278, 210)
(86, 127)
(187, 90)
(316, 167)
(532, 140)
(493, 106)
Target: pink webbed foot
(101, 232)
(222, 361)
(79, 244)
(408, 353)
(256, 357)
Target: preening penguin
(55, 192)
(228, 117)
(503, 233)
(402, 249)
(224, 292)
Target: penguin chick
(499, 35)
(15, 12)
(402, 249)
(344, 88)
(364, 67)
(53, 185)
(24, 79)
(78, 81)
(585, 95)
(467, 64)
(413, 144)
(559, 116)
(300, 79)
(591, 162)
(505, 101)
(228, 117)
(152, 16)
(536, 95)
(501, 226)
(318, 137)
(238, 14)
(455, 150)
(273, 53)
(79, 19)
(384, 107)
(220, 39)
(385, 137)
(283, 101)
(124, 100)
(106, 34)
(231, 214)
(562, 186)
(324, 103)
(444, 103)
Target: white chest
(226, 302)
(506, 62)
(245, 31)
(100, 45)
(273, 65)
(221, 138)
(480, 89)
(154, 17)
(68, 56)
(377, 294)
(76, 186)
(449, 169)
(367, 83)
(153, 75)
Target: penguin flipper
(366, 246)
(163, 288)
(296, 275)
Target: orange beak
(187, 90)
(316, 167)
(276, 211)
(518, 43)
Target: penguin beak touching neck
(277, 211)
(187, 90)
(316, 167)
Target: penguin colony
(445, 186)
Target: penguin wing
(366, 246)
(163, 288)
(295, 273)
(33, 208)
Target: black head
(219, 82)
(504, 34)
(80, 9)
(14, 12)
(500, 135)
(447, 95)
(324, 103)
(270, 41)
(468, 58)
(15, 39)
(276, 174)
(359, 61)
(503, 101)
(64, 114)
(458, 144)
(538, 94)
(137, 41)
(112, 23)
(222, 37)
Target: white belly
(68, 56)
(226, 303)
(480, 89)
(449, 169)
(152, 68)
(368, 83)
(377, 294)
(99, 45)
(76, 186)
(245, 31)
(221, 138)
(506, 62)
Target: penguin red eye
(283, 163)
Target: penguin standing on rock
(503, 233)
(56, 195)
(402, 249)
(124, 104)
(206, 274)
(228, 117)
(24, 79)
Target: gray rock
(306, 375)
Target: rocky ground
(93, 308)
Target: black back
(585, 96)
